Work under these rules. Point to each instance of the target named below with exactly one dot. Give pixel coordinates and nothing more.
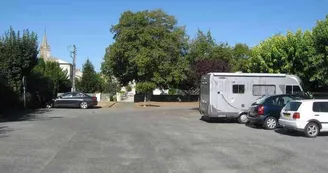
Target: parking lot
(157, 139)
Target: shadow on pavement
(4, 130)
(217, 120)
(22, 115)
(195, 109)
(148, 105)
(254, 126)
(95, 107)
(296, 133)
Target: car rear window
(260, 100)
(292, 106)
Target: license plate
(287, 114)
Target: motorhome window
(289, 89)
(238, 89)
(293, 89)
(260, 90)
(296, 89)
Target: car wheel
(311, 130)
(270, 123)
(84, 105)
(242, 119)
(49, 105)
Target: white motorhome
(229, 95)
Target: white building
(66, 66)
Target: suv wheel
(311, 130)
(242, 119)
(270, 123)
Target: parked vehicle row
(266, 110)
(268, 100)
(229, 95)
(74, 99)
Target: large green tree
(292, 53)
(320, 36)
(201, 47)
(18, 55)
(90, 81)
(51, 72)
(269, 56)
(241, 53)
(205, 55)
(148, 47)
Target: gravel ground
(156, 139)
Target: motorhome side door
(221, 90)
(237, 99)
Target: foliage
(51, 70)
(90, 81)
(18, 55)
(320, 36)
(129, 88)
(10, 98)
(148, 47)
(204, 56)
(269, 56)
(286, 54)
(241, 53)
(172, 91)
(145, 87)
(46, 80)
(108, 85)
(202, 47)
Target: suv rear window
(292, 106)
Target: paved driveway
(151, 140)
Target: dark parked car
(266, 110)
(74, 99)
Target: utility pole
(73, 55)
(24, 90)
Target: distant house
(66, 66)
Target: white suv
(309, 116)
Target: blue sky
(86, 23)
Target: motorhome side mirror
(218, 92)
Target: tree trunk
(145, 100)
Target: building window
(260, 90)
(238, 89)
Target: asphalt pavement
(157, 139)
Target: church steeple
(45, 48)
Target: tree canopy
(18, 55)
(90, 81)
(148, 47)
